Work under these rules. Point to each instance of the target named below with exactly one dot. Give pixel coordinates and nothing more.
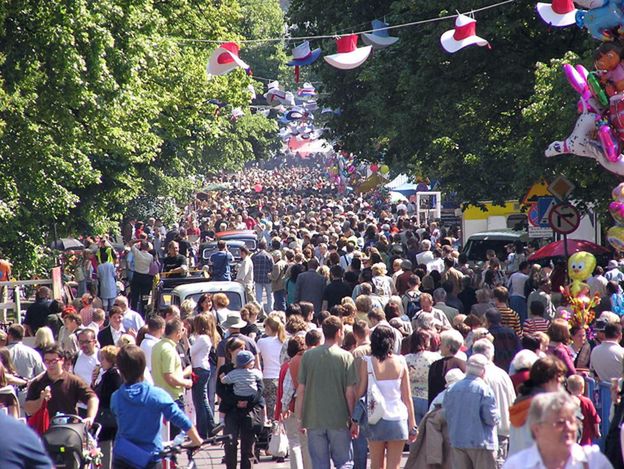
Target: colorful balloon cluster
(599, 129)
(581, 265)
(615, 234)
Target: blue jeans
(260, 288)
(203, 412)
(335, 444)
(421, 407)
(212, 387)
(279, 298)
(107, 304)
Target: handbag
(107, 420)
(40, 420)
(375, 403)
(278, 446)
(131, 454)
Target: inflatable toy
(581, 266)
(603, 16)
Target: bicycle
(171, 452)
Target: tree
(478, 120)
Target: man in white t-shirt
(155, 330)
(515, 285)
(425, 256)
(87, 359)
(607, 359)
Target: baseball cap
(244, 358)
(600, 325)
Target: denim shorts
(388, 430)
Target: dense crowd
(364, 330)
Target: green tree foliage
(104, 103)
(479, 120)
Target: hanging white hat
(559, 13)
(464, 34)
(224, 59)
(348, 55)
(379, 38)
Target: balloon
(384, 169)
(258, 187)
(616, 209)
(351, 169)
(581, 266)
(598, 21)
(615, 236)
(374, 167)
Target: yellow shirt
(165, 359)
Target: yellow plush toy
(581, 266)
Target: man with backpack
(411, 298)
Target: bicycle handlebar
(177, 449)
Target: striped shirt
(245, 381)
(509, 318)
(535, 324)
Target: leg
(394, 452)
(501, 454)
(231, 446)
(340, 448)
(482, 458)
(269, 394)
(107, 454)
(461, 460)
(360, 450)
(212, 386)
(269, 295)
(420, 408)
(248, 440)
(259, 294)
(203, 413)
(294, 445)
(377, 450)
(318, 444)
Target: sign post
(564, 218)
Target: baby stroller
(70, 444)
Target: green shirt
(326, 373)
(165, 359)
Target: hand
(412, 437)
(188, 383)
(132, 332)
(285, 414)
(242, 404)
(355, 430)
(88, 421)
(46, 393)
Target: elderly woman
(484, 302)
(383, 286)
(553, 424)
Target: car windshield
(236, 302)
(475, 249)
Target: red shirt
(590, 419)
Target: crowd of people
(364, 330)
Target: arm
(406, 397)
(362, 379)
(350, 397)
(173, 381)
(92, 408)
(489, 410)
(299, 402)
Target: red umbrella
(556, 249)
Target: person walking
(387, 437)
(326, 397)
(472, 415)
(262, 266)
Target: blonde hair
(575, 384)
(44, 337)
(109, 353)
(187, 308)
(206, 324)
(379, 269)
(276, 325)
(220, 300)
(125, 339)
(324, 271)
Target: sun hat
(233, 321)
(453, 376)
(303, 55)
(379, 38)
(224, 59)
(559, 13)
(244, 358)
(462, 36)
(348, 55)
(613, 264)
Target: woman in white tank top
(387, 437)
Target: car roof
(237, 233)
(510, 235)
(229, 242)
(208, 287)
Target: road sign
(544, 206)
(539, 232)
(539, 189)
(564, 218)
(561, 188)
(533, 215)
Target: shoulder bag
(375, 402)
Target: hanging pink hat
(559, 13)
(464, 34)
(348, 54)
(224, 59)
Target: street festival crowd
(366, 333)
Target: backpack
(413, 304)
